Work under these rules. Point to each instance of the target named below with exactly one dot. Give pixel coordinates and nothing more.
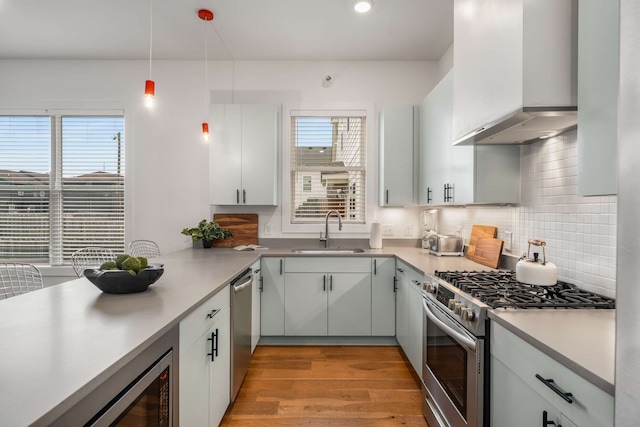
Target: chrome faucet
(326, 227)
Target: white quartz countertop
(581, 340)
(61, 342)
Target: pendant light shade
(205, 15)
(150, 85)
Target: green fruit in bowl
(122, 258)
(132, 264)
(109, 265)
(143, 262)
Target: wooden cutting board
(487, 251)
(243, 226)
(478, 231)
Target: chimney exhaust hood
(515, 79)
(525, 126)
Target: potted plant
(207, 231)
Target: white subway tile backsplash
(580, 231)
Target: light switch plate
(387, 230)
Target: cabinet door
(396, 149)
(255, 305)
(220, 368)
(225, 185)
(272, 297)
(259, 160)
(194, 383)
(383, 297)
(415, 328)
(402, 308)
(349, 306)
(306, 304)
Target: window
(328, 167)
(61, 185)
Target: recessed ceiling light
(363, 6)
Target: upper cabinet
(598, 67)
(461, 175)
(398, 137)
(515, 63)
(243, 155)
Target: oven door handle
(463, 340)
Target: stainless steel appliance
(455, 344)
(445, 244)
(241, 329)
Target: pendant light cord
(150, 35)
(206, 73)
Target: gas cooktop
(500, 289)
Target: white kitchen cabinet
(255, 305)
(598, 68)
(398, 142)
(205, 359)
(409, 320)
(519, 397)
(327, 296)
(272, 296)
(243, 154)
(383, 298)
(510, 54)
(462, 175)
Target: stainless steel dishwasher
(241, 329)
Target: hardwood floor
(327, 386)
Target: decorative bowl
(121, 281)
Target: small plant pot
(206, 243)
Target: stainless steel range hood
(524, 126)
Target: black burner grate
(501, 289)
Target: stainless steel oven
(452, 370)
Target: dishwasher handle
(239, 287)
(242, 281)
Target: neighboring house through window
(328, 166)
(61, 185)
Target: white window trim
(328, 109)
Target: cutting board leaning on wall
(243, 226)
(484, 248)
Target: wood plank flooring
(327, 386)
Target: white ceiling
(251, 29)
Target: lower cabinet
(327, 296)
(255, 305)
(409, 313)
(528, 388)
(383, 298)
(205, 358)
(272, 296)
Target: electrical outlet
(387, 230)
(267, 229)
(408, 230)
(508, 243)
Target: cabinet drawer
(201, 319)
(591, 405)
(414, 277)
(323, 265)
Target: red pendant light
(150, 85)
(206, 16)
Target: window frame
(328, 110)
(56, 115)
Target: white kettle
(533, 272)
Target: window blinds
(328, 167)
(61, 186)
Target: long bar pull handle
(331, 282)
(546, 422)
(244, 197)
(400, 270)
(261, 283)
(281, 264)
(213, 313)
(552, 385)
(237, 196)
(386, 197)
(429, 194)
(214, 345)
(324, 283)
(375, 271)
(395, 284)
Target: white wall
(166, 164)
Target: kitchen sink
(321, 251)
